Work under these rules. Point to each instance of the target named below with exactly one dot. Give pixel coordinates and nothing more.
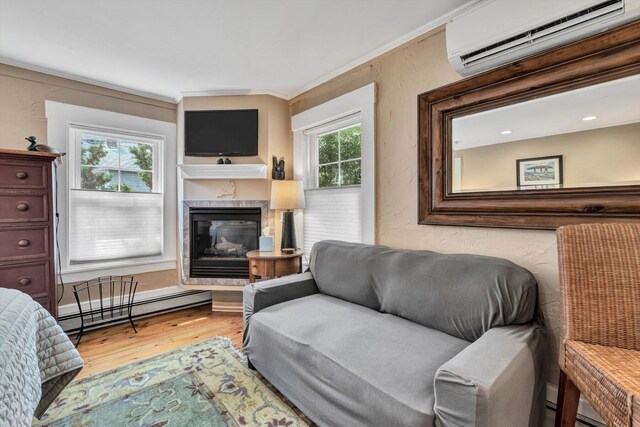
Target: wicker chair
(600, 327)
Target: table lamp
(287, 195)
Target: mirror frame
(607, 56)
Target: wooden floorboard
(118, 345)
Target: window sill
(337, 187)
(117, 268)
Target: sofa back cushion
(344, 270)
(462, 295)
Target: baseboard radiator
(146, 303)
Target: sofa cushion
(345, 278)
(344, 364)
(462, 295)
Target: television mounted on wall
(221, 133)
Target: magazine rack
(115, 301)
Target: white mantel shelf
(233, 171)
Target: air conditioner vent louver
(552, 29)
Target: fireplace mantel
(233, 171)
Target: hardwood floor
(118, 345)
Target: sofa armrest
(498, 380)
(258, 296)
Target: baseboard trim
(146, 303)
(585, 411)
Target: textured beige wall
(22, 113)
(23, 92)
(598, 156)
(401, 75)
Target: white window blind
(107, 225)
(332, 214)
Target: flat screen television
(221, 133)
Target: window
(333, 187)
(111, 164)
(333, 151)
(339, 157)
(115, 196)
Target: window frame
(60, 116)
(358, 105)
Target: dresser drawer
(18, 174)
(32, 278)
(24, 243)
(23, 207)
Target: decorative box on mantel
(233, 171)
(216, 234)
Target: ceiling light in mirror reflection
(602, 152)
(613, 103)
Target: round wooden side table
(273, 264)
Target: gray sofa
(374, 336)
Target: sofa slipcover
(433, 339)
(462, 295)
(499, 380)
(348, 365)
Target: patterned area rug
(203, 384)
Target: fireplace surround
(216, 234)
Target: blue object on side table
(266, 244)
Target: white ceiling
(614, 103)
(166, 48)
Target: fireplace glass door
(221, 238)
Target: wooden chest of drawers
(27, 258)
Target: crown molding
(232, 92)
(74, 77)
(384, 49)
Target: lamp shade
(286, 195)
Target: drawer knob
(22, 206)
(21, 175)
(24, 281)
(23, 243)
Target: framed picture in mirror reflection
(539, 172)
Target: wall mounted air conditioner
(496, 32)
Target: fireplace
(220, 238)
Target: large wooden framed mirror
(551, 140)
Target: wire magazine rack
(115, 301)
